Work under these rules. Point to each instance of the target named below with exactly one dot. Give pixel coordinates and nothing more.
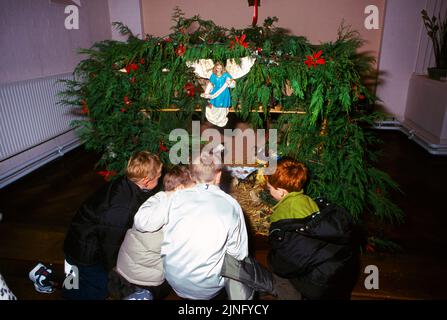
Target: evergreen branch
(123, 29)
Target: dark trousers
(120, 288)
(92, 283)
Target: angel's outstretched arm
(231, 83)
(208, 89)
(228, 83)
(218, 92)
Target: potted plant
(437, 31)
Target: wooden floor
(38, 208)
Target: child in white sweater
(139, 271)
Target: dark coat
(98, 228)
(319, 254)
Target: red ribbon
(255, 14)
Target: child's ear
(283, 192)
(143, 180)
(217, 178)
(146, 182)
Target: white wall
(34, 42)
(127, 12)
(37, 49)
(405, 50)
(317, 20)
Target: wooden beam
(260, 110)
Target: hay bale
(248, 193)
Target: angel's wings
(203, 68)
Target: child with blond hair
(97, 230)
(201, 225)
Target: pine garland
(121, 85)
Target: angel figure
(220, 80)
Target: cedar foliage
(331, 138)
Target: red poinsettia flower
(131, 67)
(123, 110)
(127, 100)
(84, 107)
(180, 51)
(162, 147)
(142, 61)
(315, 59)
(190, 89)
(107, 174)
(240, 41)
(84, 110)
(168, 39)
(357, 93)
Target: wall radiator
(34, 129)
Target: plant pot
(437, 73)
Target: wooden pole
(260, 110)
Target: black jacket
(319, 254)
(98, 228)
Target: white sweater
(203, 223)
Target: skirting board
(25, 162)
(414, 133)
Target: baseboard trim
(38, 161)
(413, 134)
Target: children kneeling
(139, 273)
